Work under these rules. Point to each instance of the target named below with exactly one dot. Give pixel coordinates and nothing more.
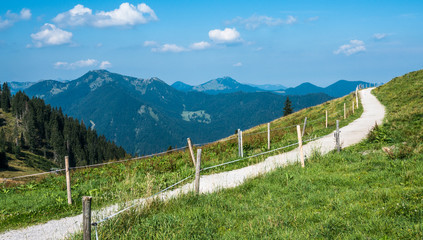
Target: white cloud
(256, 21)
(200, 45)
(312, 19)
(78, 64)
(126, 15)
(5, 23)
(355, 46)
(229, 35)
(50, 35)
(238, 64)
(169, 48)
(105, 64)
(10, 18)
(150, 43)
(379, 36)
(25, 14)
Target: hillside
(370, 190)
(35, 137)
(147, 115)
(128, 180)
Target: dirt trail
(356, 131)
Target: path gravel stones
(356, 131)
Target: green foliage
(287, 109)
(47, 130)
(5, 98)
(379, 135)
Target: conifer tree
(288, 107)
(5, 98)
(2, 140)
(3, 160)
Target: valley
(146, 115)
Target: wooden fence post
(268, 136)
(240, 147)
(356, 96)
(345, 111)
(300, 145)
(191, 151)
(68, 184)
(86, 217)
(197, 172)
(304, 127)
(326, 118)
(353, 106)
(338, 144)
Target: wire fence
(232, 137)
(96, 224)
(311, 138)
(56, 171)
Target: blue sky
(276, 42)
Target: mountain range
(229, 85)
(147, 115)
(337, 89)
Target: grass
(38, 200)
(373, 190)
(339, 196)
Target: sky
(259, 42)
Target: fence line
(236, 160)
(95, 224)
(161, 153)
(255, 155)
(136, 204)
(146, 156)
(97, 165)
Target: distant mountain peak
(224, 84)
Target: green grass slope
(37, 200)
(373, 190)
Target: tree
(288, 107)
(2, 140)
(3, 160)
(5, 98)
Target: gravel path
(374, 111)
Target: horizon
(170, 84)
(194, 42)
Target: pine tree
(2, 141)
(3, 157)
(5, 98)
(3, 160)
(287, 109)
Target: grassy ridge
(41, 200)
(373, 190)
